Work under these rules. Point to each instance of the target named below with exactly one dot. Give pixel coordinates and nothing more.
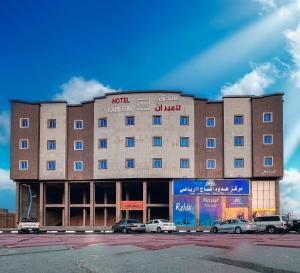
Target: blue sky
(77, 49)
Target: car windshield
(132, 221)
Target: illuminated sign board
(211, 187)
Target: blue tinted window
(102, 122)
(157, 163)
(239, 163)
(210, 143)
(24, 144)
(268, 139)
(52, 123)
(156, 141)
(210, 122)
(130, 142)
(129, 120)
(51, 145)
(23, 165)
(184, 120)
(238, 141)
(103, 143)
(78, 166)
(78, 124)
(211, 164)
(129, 163)
(268, 161)
(156, 120)
(51, 165)
(238, 119)
(184, 142)
(268, 117)
(78, 145)
(184, 163)
(24, 123)
(102, 164)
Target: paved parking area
(190, 252)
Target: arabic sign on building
(132, 205)
(184, 210)
(210, 210)
(211, 187)
(237, 201)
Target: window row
(156, 163)
(156, 142)
(156, 120)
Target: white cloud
(253, 83)
(290, 192)
(293, 37)
(77, 89)
(4, 127)
(5, 182)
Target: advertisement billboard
(184, 211)
(211, 187)
(237, 201)
(210, 210)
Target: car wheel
(298, 230)
(215, 230)
(272, 230)
(170, 231)
(159, 229)
(19, 232)
(238, 230)
(128, 230)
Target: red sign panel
(132, 205)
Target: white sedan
(160, 225)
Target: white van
(271, 224)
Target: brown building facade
(145, 155)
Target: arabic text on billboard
(211, 187)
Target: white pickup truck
(26, 225)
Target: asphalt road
(139, 253)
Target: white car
(26, 225)
(271, 224)
(160, 225)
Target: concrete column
(84, 216)
(92, 203)
(171, 200)
(42, 210)
(17, 201)
(105, 216)
(145, 202)
(67, 204)
(118, 200)
(149, 215)
(127, 198)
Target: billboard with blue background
(210, 210)
(184, 211)
(211, 187)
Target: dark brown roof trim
(255, 97)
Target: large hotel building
(145, 155)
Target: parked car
(160, 225)
(271, 224)
(128, 225)
(295, 226)
(26, 225)
(235, 226)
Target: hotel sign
(211, 187)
